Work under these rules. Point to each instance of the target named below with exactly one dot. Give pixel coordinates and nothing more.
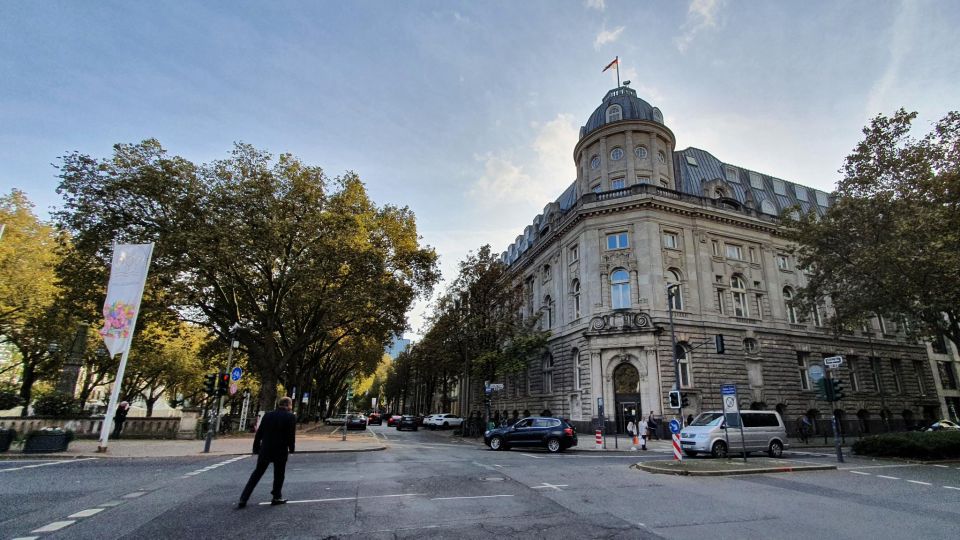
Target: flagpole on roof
(618, 70)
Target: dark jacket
(121, 415)
(276, 434)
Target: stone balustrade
(89, 427)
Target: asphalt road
(427, 486)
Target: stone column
(630, 157)
(604, 176)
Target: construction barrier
(677, 455)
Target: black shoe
(241, 504)
(274, 502)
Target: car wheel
(446, 425)
(691, 453)
(553, 445)
(496, 443)
(719, 449)
(776, 449)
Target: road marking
(55, 526)
(887, 477)
(487, 467)
(942, 466)
(474, 497)
(951, 487)
(26, 538)
(863, 473)
(86, 513)
(546, 485)
(919, 482)
(881, 466)
(44, 464)
(135, 494)
(112, 503)
(532, 456)
(334, 499)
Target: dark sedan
(355, 421)
(374, 419)
(407, 421)
(554, 434)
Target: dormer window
(614, 113)
(756, 182)
(731, 174)
(692, 161)
(822, 199)
(657, 115)
(779, 187)
(801, 193)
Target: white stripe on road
(942, 466)
(475, 497)
(951, 487)
(532, 456)
(55, 526)
(45, 464)
(112, 503)
(863, 473)
(86, 513)
(879, 466)
(135, 494)
(347, 498)
(919, 482)
(887, 477)
(26, 538)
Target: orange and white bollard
(599, 439)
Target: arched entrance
(626, 394)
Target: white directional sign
(833, 361)
(496, 387)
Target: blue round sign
(235, 374)
(674, 426)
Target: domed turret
(620, 104)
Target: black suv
(554, 434)
(407, 421)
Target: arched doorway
(626, 394)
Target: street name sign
(833, 362)
(728, 390)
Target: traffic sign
(674, 426)
(233, 388)
(833, 362)
(236, 374)
(496, 387)
(728, 390)
(816, 373)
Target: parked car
(763, 431)
(374, 418)
(337, 420)
(943, 425)
(355, 421)
(392, 421)
(554, 434)
(442, 420)
(407, 422)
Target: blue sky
(465, 111)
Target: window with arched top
(620, 289)
(546, 367)
(682, 353)
(626, 379)
(675, 298)
(548, 311)
(575, 287)
(577, 380)
(739, 290)
(614, 113)
(788, 300)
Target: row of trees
(313, 277)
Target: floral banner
(128, 273)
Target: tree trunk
(26, 387)
(268, 390)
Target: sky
(467, 112)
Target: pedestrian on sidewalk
(642, 430)
(276, 436)
(119, 418)
(652, 426)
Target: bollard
(676, 447)
(599, 439)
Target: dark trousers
(117, 428)
(279, 470)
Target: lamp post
(673, 345)
(214, 424)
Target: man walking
(119, 418)
(275, 437)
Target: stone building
(641, 215)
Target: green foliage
(890, 242)
(926, 445)
(56, 404)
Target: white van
(763, 431)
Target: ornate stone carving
(621, 321)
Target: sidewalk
(309, 441)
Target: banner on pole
(128, 273)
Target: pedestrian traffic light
(674, 399)
(825, 390)
(210, 383)
(719, 340)
(684, 400)
(224, 383)
(837, 390)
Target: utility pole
(673, 346)
(214, 423)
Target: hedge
(926, 445)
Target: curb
(113, 456)
(652, 467)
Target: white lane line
(55, 526)
(546, 485)
(919, 482)
(26, 538)
(951, 487)
(334, 499)
(110, 504)
(863, 473)
(474, 497)
(487, 467)
(135, 494)
(879, 466)
(45, 464)
(887, 477)
(86, 513)
(532, 456)
(942, 466)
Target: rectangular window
(756, 182)
(684, 372)
(918, 371)
(897, 368)
(575, 254)
(740, 308)
(779, 187)
(617, 241)
(948, 377)
(731, 174)
(760, 306)
(643, 180)
(753, 255)
(881, 324)
(822, 198)
(577, 381)
(692, 161)
(670, 240)
(818, 315)
(720, 300)
(802, 370)
(939, 344)
(783, 262)
(875, 374)
(716, 248)
(734, 252)
(801, 193)
(854, 377)
(618, 183)
(595, 188)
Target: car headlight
(486, 433)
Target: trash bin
(41, 442)
(6, 438)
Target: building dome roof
(632, 108)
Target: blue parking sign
(674, 426)
(236, 374)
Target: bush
(926, 445)
(9, 397)
(56, 404)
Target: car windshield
(708, 419)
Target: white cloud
(598, 5)
(701, 15)
(607, 36)
(903, 34)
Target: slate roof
(633, 108)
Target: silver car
(763, 431)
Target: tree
(890, 242)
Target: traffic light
(719, 340)
(224, 380)
(684, 401)
(837, 389)
(674, 399)
(825, 389)
(210, 383)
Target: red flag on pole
(616, 62)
